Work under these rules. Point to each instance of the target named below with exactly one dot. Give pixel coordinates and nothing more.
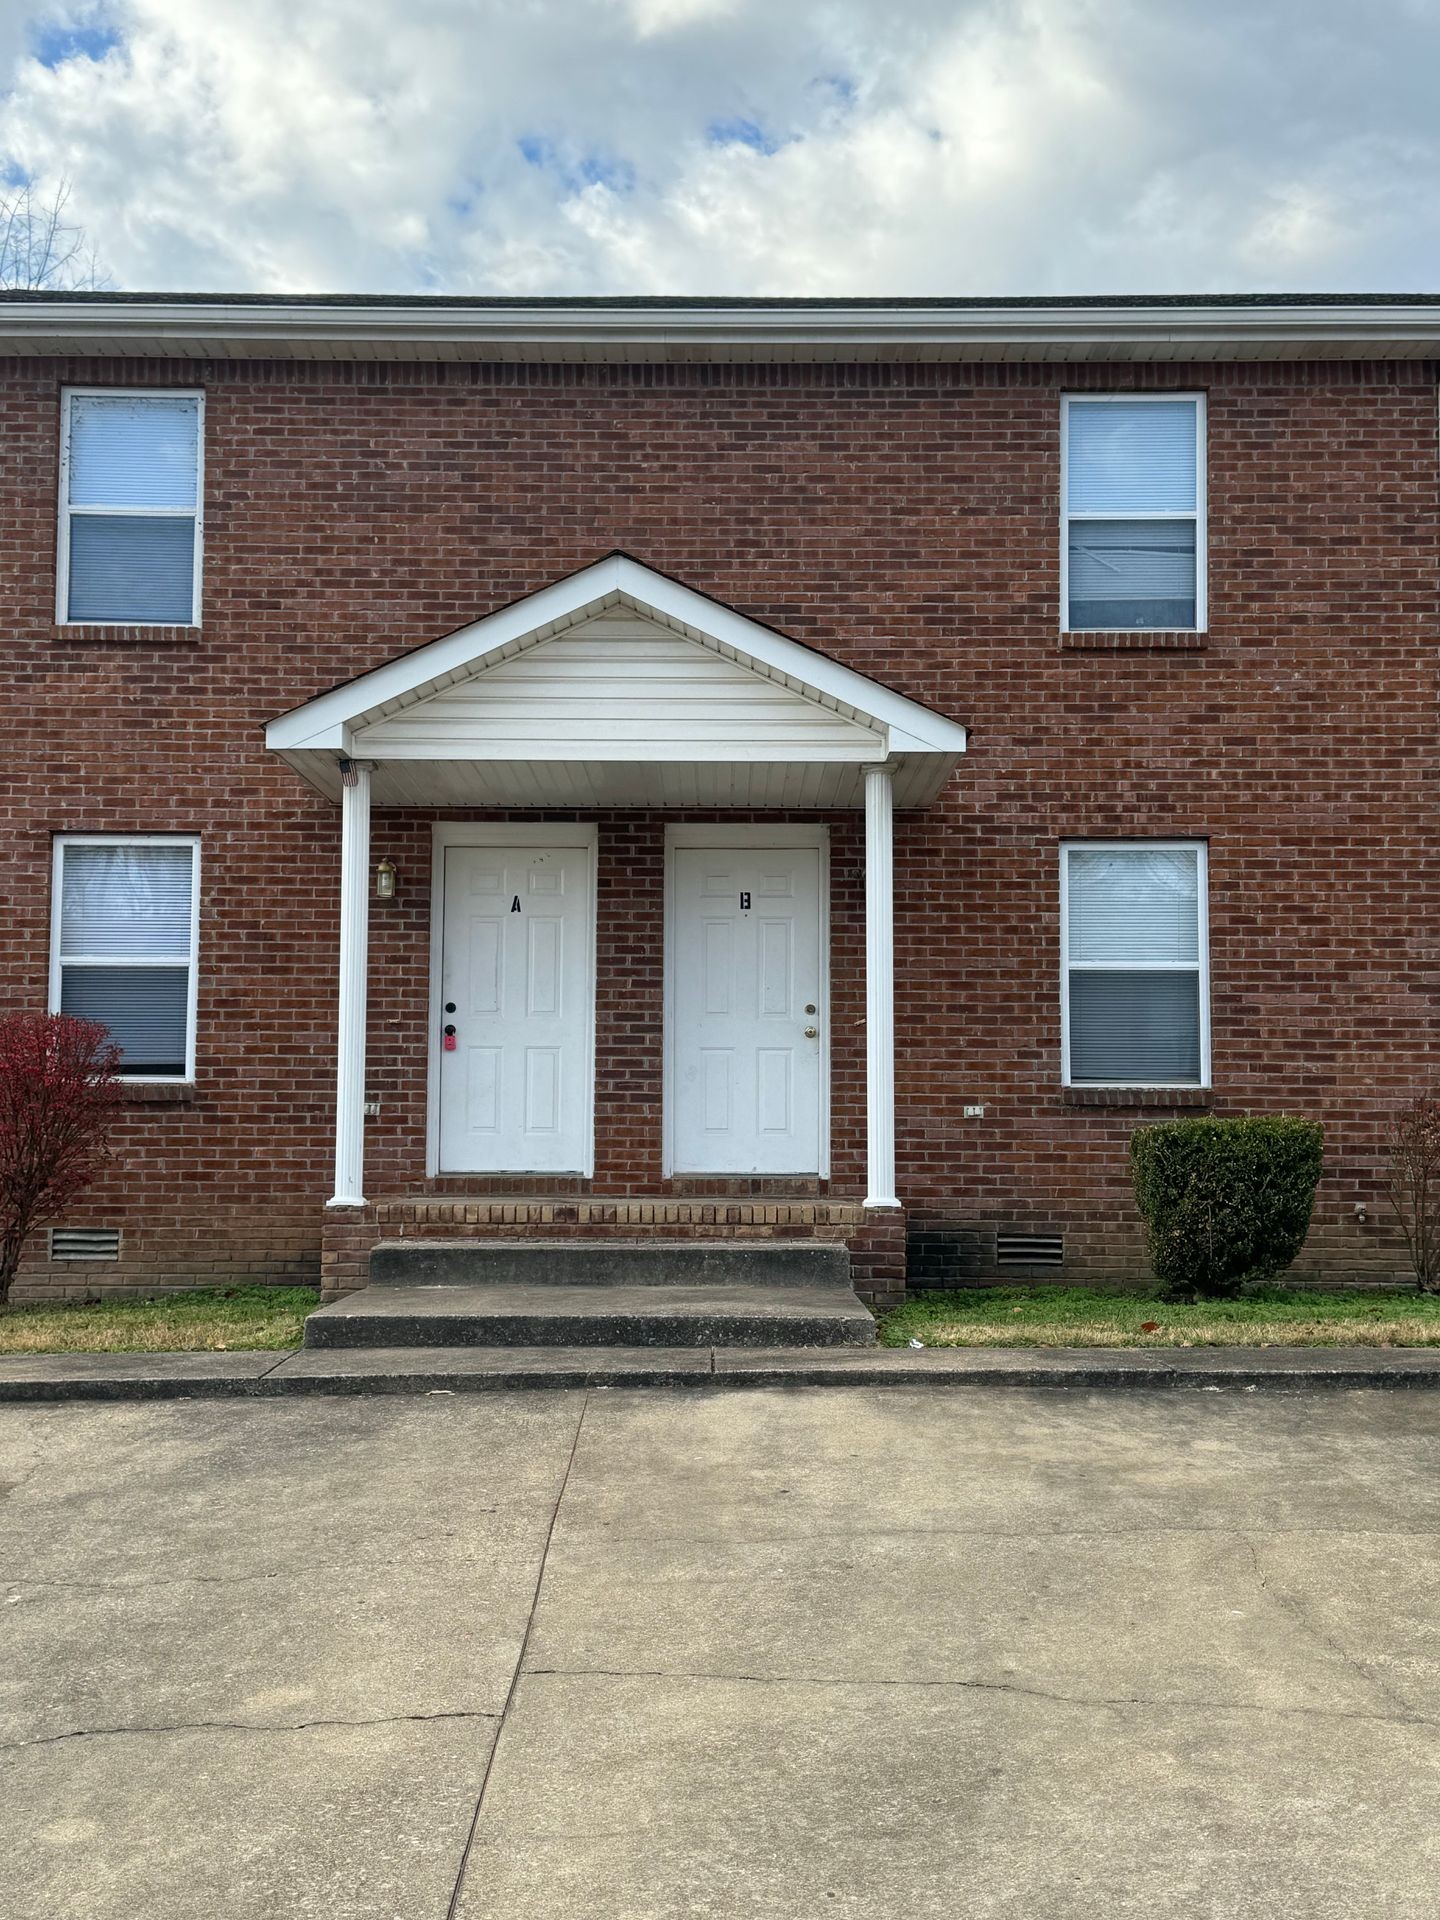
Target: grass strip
(202, 1320)
(1097, 1317)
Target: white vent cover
(84, 1243)
(1016, 1249)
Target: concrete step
(609, 1263)
(493, 1315)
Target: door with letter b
(748, 1025)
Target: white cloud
(657, 16)
(735, 146)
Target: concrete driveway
(812, 1653)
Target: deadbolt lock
(809, 1009)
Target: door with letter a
(747, 1028)
(515, 1008)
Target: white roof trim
(1379, 326)
(329, 722)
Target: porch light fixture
(385, 880)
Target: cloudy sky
(736, 146)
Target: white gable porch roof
(617, 686)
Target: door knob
(811, 1032)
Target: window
(1133, 486)
(1134, 1009)
(123, 946)
(130, 466)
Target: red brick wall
(905, 520)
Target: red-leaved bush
(58, 1097)
(1414, 1186)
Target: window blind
(1132, 573)
(132, 451)
(1132, 457)
(1132, 513)
(1133, 945)
(146, 1010)
(131, 507)
(1134, 1029)
(132, 569)
(126, 948)
(1134, 904)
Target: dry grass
(1089, 1317)
(213, 1320)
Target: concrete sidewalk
(594, 1656)
(196, 1376)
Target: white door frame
(582, 836)
(746, 833)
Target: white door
(515, 1010)
(747, 1028)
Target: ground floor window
(1133, 959)
(123, 945)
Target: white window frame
(195, 513)
(1200, 967)
(191, 840)
(1199, 516)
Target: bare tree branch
(1413, 1187)
(40, 250)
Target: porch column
(880, 987)
(354, 959)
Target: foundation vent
(1016, 1249)
(84, 1243)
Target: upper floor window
(123, 945)
(130, 469)
(1133, 487)
(1134, 1005)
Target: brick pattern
(904, 520)
(424, 1215)
(1150, 641)
(226, 1247)
(1155, 1099)
(1109, 1250)
(878, 1259)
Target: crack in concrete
(1405, 1717)
(240, 1726)
(454, 1907)
(38, 1456)
(1293, 1608)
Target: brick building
(486, 762)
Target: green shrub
(1225, 1201)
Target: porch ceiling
(618, 687)
(621, 783)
